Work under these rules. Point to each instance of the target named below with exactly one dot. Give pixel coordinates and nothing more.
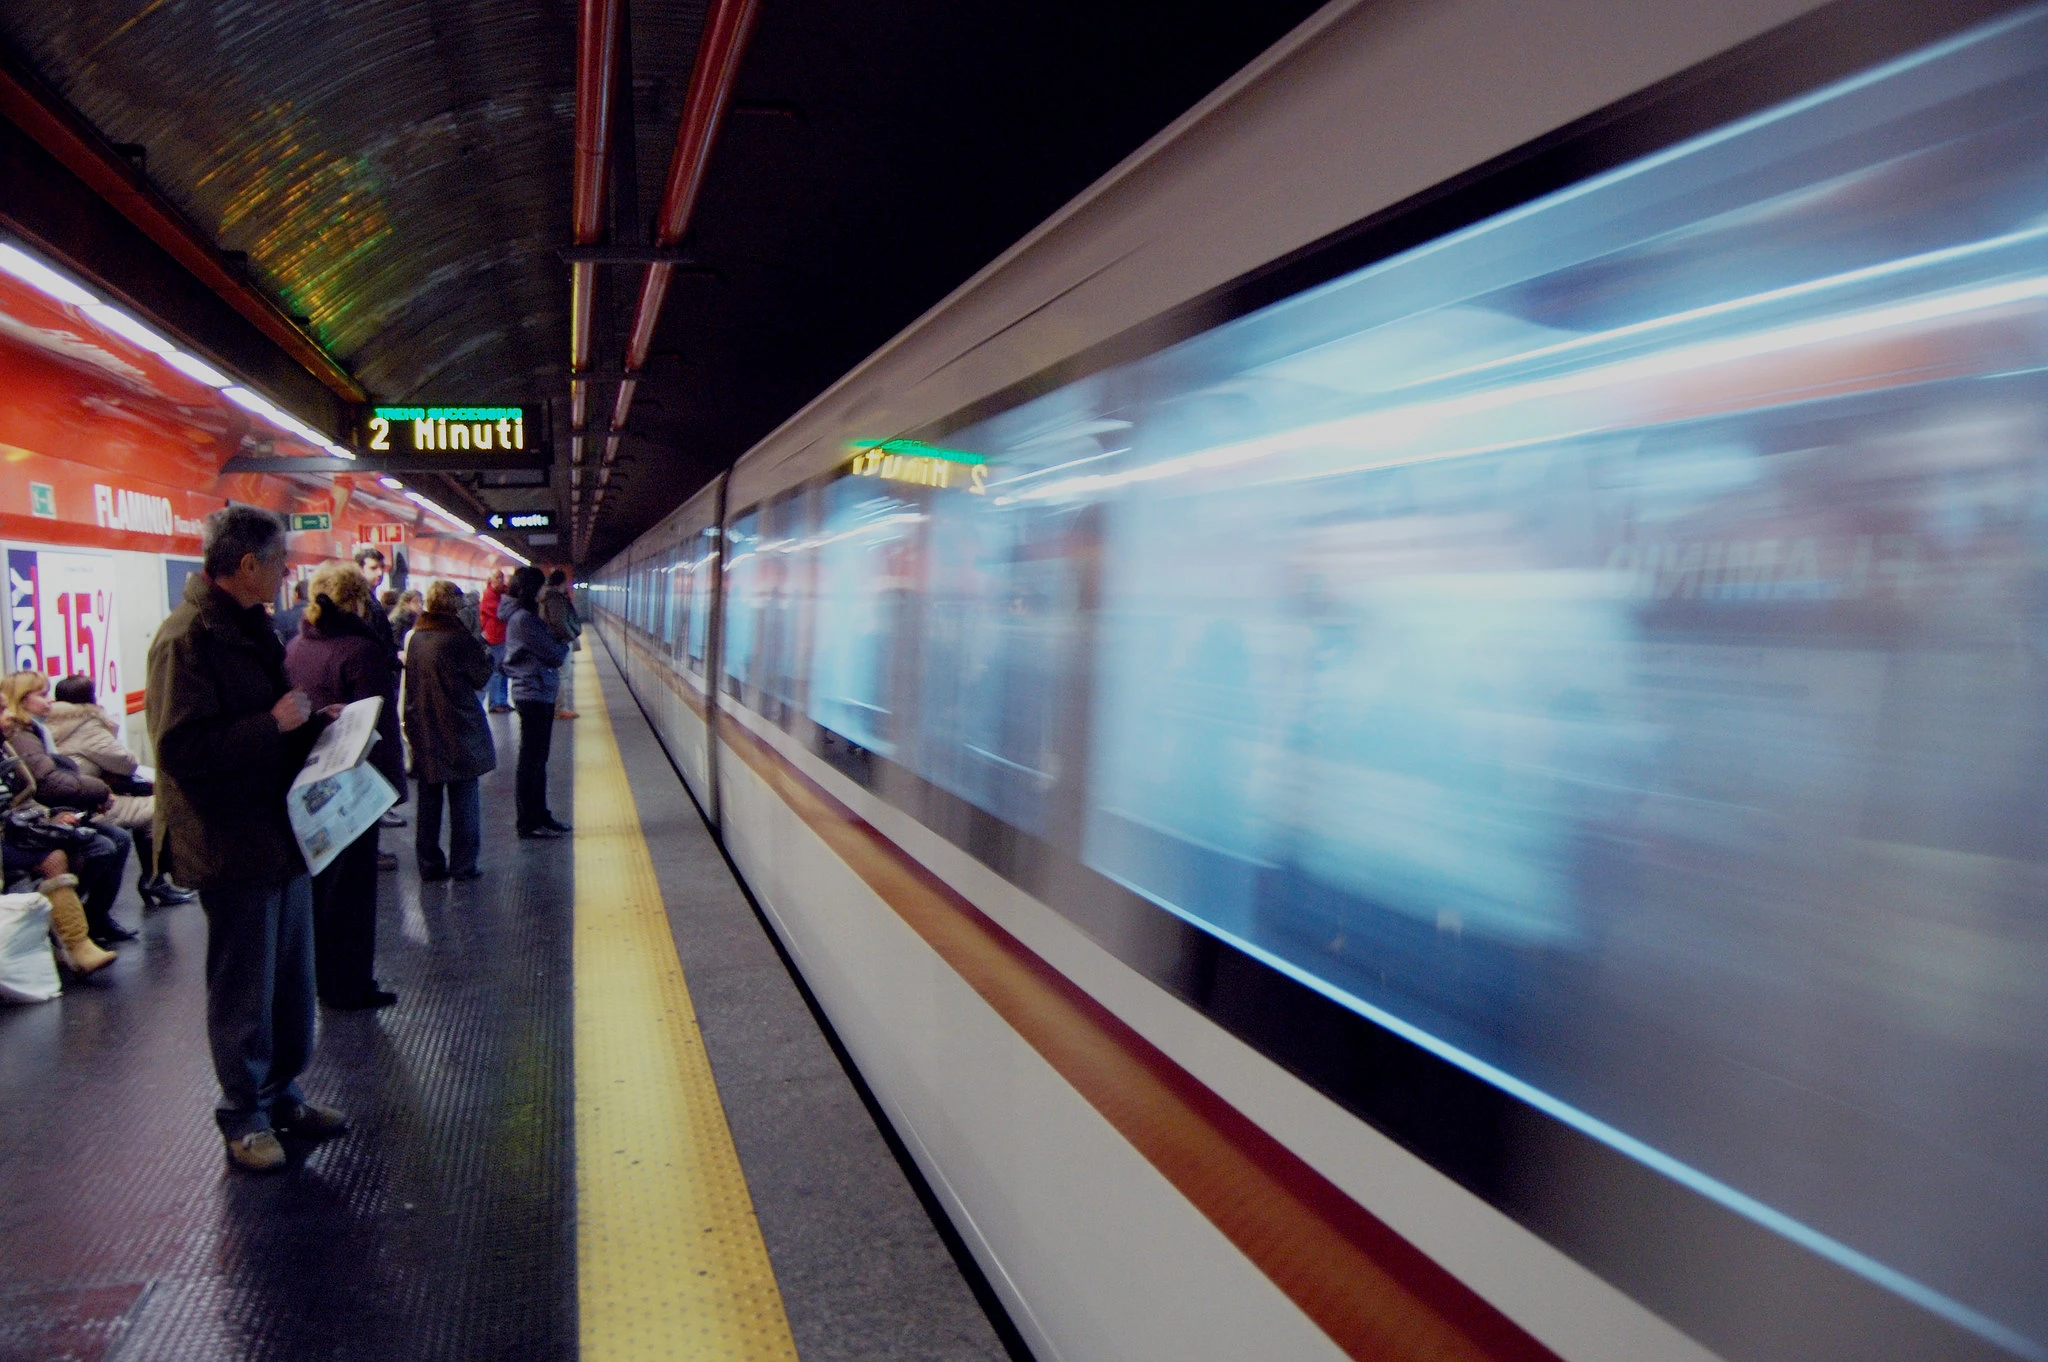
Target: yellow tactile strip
(669, 1257)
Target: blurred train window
(742, 601)
(786, 561)
(678, 625)
(1610, 640)
(704, 547)
(867, 554)
(1002, 639)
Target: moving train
(1420, 727)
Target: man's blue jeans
(259, 997)
(499, 695)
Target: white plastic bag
(28, 974)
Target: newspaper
(337, 795)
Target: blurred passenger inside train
(534, 654)
(560, 613)
(338, 659)
(60, 784)
(403, 615)
(91, 737)
(287, 619)
(230, 733)
(446, 669)
(493, 625)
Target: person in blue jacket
(534, 654)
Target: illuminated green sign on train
(917, 462)
(440, 430)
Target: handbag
(28, 824)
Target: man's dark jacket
(337, 660)
(445, 666)
(215, 669)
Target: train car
(1420, 727)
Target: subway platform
(601, 1122)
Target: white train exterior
(1408, 731)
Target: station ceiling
(398, 173)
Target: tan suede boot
(67, 924)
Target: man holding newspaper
(232, 737)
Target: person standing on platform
(533, 660)
(230, 733)
(337, 659)
(371, 563)
(445, 670)
(560, 613)
(402, 617)
(494, 640)
(286, 621)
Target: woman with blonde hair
(339, 658)
(60, 785)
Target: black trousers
(345, 923)
(99, 874)
(259, 996)
(465, 837)
(536, 735)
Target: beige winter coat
(91, 737)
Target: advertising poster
(176, 572)
(60, 616)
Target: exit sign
(521, 520)
(312, 520)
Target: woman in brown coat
(445, 667)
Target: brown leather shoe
(309, 1120)
(256, 1152)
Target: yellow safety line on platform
(669, 1257)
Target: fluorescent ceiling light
(126, 327)
(249, 401)
(455, 520)
(41, 277)
(524, 561)
(283, 420)
(199, 369)
(393, 483)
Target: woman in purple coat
(336, 659)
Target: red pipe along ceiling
(597, 54)
(711, 85)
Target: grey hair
(235, 531)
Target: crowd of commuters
(237, 694)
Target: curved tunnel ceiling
(398, 173)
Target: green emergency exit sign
(313, 520)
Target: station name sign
(446, 430)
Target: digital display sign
(927, 465)
(446, 430)
(521, 520)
